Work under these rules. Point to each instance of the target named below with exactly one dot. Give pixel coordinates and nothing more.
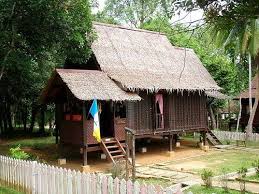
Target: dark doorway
(106, 120)
(159, 111)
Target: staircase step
(110, 142)
(113, 146)
(108, 139)
(118, 156)
(115, 151)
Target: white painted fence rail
(33, 177)
(229, 135)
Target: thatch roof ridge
(128, 28)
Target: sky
(193, 16)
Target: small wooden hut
(245, 112)
(140, 80)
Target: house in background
(140, 80)
(244, 97)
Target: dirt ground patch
(157, 152)
(188, 157)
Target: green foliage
(138, 12)
(256, 165)
(36, 37)
(242, 172)
(234, 23)
(206, 176)
(242, 175)
(17, 153)
(5, 190)
(35, 143)
(224, 179)
(103, 18)
(210, 190)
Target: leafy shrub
(118, 169)
(242, 174)
(228, 142)
(206, 176)
(224, 179)
(17, 153)
(256, 165)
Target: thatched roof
(245, 94)
(217, 94)
(144, 60)
(90, 84)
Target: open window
(72, 111)
(120, 110)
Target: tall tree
(236, 22)
(35, 37)
(137, 12)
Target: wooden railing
(34, 177)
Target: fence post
(34, 174)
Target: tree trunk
(33, 117)
(212, 118)
(24, 119)
(239, 114)
(42, 120)
(1, 123)
(9, 118)
(249, 129)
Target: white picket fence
(229, 135)
(34, 177)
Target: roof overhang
(87, 85)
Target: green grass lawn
(213, 190)
(230, 161)
(6, 190)
(35, 143)
(155, 181)
(253, 178)
(36, 147)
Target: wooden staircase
(212, 138)
(113, 149)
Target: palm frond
(254, 39)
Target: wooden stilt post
(130, 136)
(175, 137)
(170, 142)
(85, 156)
(127, 154)
(204, 137)
(133, 158)
(84, 137)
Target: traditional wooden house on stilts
(140, 80)
(243, 97)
